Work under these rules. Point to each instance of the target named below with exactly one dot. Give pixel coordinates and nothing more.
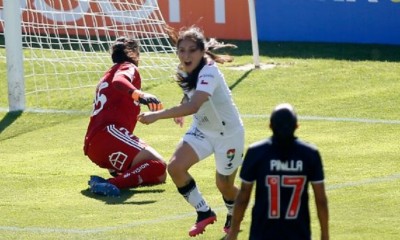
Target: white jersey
(219, 115)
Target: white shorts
(228, 151)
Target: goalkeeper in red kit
(110, 141)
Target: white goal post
(16, 86)
(254, 35)
(56, 51)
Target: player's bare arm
(181, 120)
(241, 203)
(321, 202)
(185, 109)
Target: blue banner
(345, 21)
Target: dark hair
(283, 122)
(189, 81)
(125, 50)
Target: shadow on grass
(244, 76)
(125, 195)
(305, 50)
(8, 119)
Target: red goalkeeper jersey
(113, 104)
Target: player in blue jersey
(282, 167)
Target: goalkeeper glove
(150, 100)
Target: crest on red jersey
(117, 159)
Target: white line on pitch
(388, 178)
(309, 118)
(364, 182)
(331, 119)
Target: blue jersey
(281, 203)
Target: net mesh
(66, 47)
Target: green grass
(44, 173)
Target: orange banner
(222, 19)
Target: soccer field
(347, 99)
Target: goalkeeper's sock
(145, 173)
(193, 196)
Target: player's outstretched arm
(181, 110)
(148, 99)
(122, 82)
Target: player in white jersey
(218, 116)
(216, 127)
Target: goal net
(65, 46)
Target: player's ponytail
(212, 45)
